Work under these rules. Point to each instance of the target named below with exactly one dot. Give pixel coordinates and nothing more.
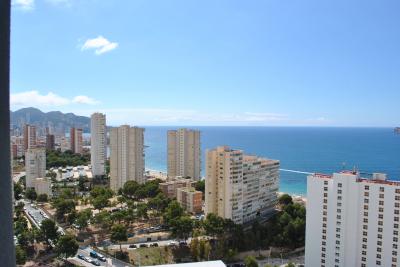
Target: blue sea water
(308, 149)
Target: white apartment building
(240, 187)
(98, 143)
(184, 153)
(352, 221)
(126, 156)
(35, 165)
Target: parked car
(132, 246)
(95, 263)
(154, 245)
(93, 254)
(143, 245)
(80, 256)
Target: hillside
(37, 117)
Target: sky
(210, 62)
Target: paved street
(110, 262)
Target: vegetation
(49, 230)
(64, 205)
(134, 190)
(285, 199)
(18, 190)
(56, 158)
(99, 197)
(250, 261)
(118, 234)
(201, 186)
(42, 198)
(20, 255)
(67, 246)
(31, 194)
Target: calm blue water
(305, 149)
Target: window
(379, 243)
(380, 229)
(365, 227)
(366, 200)
(380, 209)
(365, 233)
(325, 182)
(381, 202)
(325, 188)
(366, 187)
(364, 246)
(397, 197)
(380, 222)
(395, 239)
(395, 225)
(325, 194)
(395, 246)
(380, 216)
(379, 249)
(378, 262)
(381, 189)
(379, 236)
(381, 195)
(339, 185)
(364, 252)
(339, 191)
(398, 191)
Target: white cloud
(26, 5)
(35, 99)
(100, 45)
(82, 99)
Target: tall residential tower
(35, 165)
(29, 136)
(184, 153)
(75, 138)
(240, 187)
(127, 156)
(98, 135)
(352, 221)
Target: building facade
(126, 156)
(29, 136)
(240, 187)
(184, 154)
(98, 143)
(35, 165)
(169, 188)
(352, 221)
(190, 199)
(76, 141)
(43, 186)
(50, 142)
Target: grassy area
(151, 256)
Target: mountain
(56, 118)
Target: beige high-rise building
(98, 143)
(240, 187)
(184, 153)
(75, 138)
(126, 156)
(35, 165)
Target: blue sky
(210, 62)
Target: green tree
(182, 227)
(103, 219)
(18, 190)
(213, 225)
(129, 188)
(194, 248)
(118, 234)
(31, 194)
(20, 255)
(285, 199)
(290, 264)
(250, 261)
(173, 212)
(201, 186)
(100, 202)
(83, 218)
(101, 191)
(67, 246)
(63, 207)
(49, 230)
(141, 211)
(42, 198)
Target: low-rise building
(43, 186)
(169, 187)
(190, 199)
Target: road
(37, 215)
(161, 243)
(110, 262)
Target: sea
(299, 149)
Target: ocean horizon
(301, 149)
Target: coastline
(157, 174)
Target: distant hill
(56, 118)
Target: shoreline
(163, 176)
